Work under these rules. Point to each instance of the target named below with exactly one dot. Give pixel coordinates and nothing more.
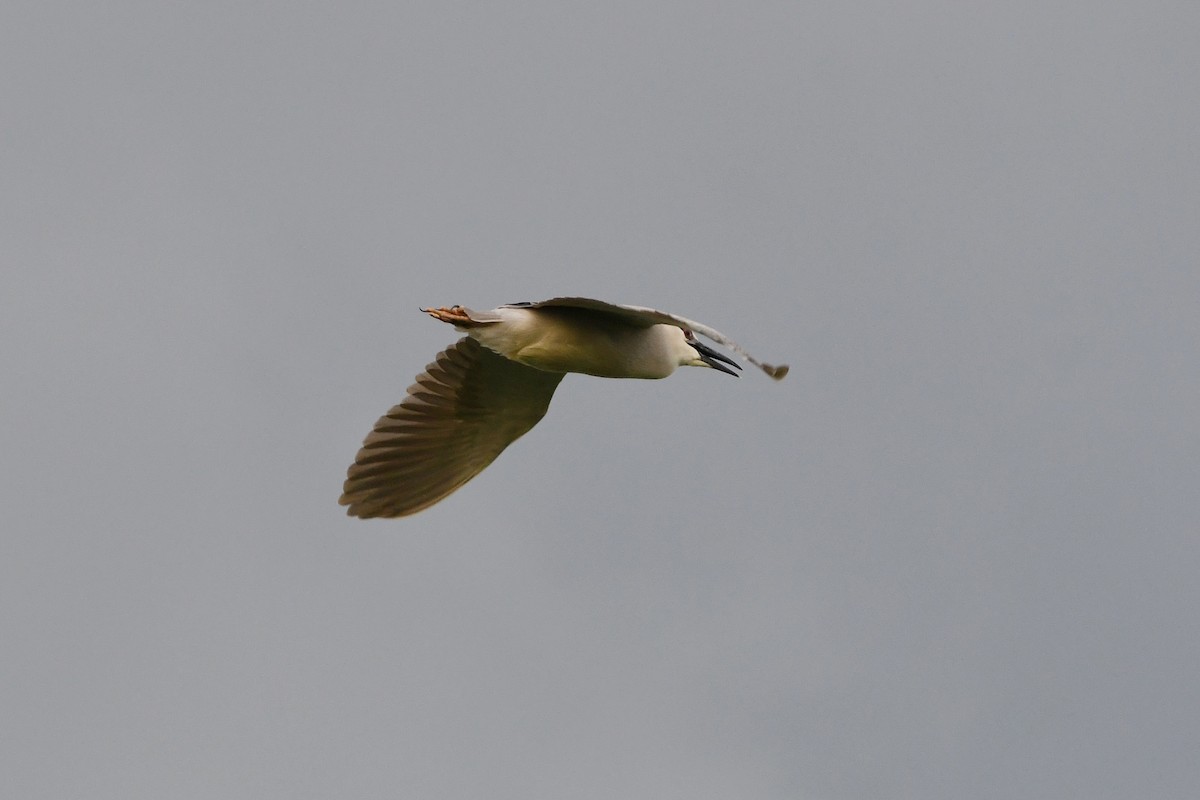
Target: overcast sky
(954, 555)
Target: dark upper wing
(633, 315)
(461, 413)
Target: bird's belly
(592, 359)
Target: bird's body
(485, 391)
(561, 339)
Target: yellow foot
(455, 315)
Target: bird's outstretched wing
(640, 315)
(467, 406)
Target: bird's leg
(455, 315)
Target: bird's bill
(714, 359)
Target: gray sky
(953, 555)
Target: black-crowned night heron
(490, 387)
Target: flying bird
(491, 386)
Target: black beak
(714, 359)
